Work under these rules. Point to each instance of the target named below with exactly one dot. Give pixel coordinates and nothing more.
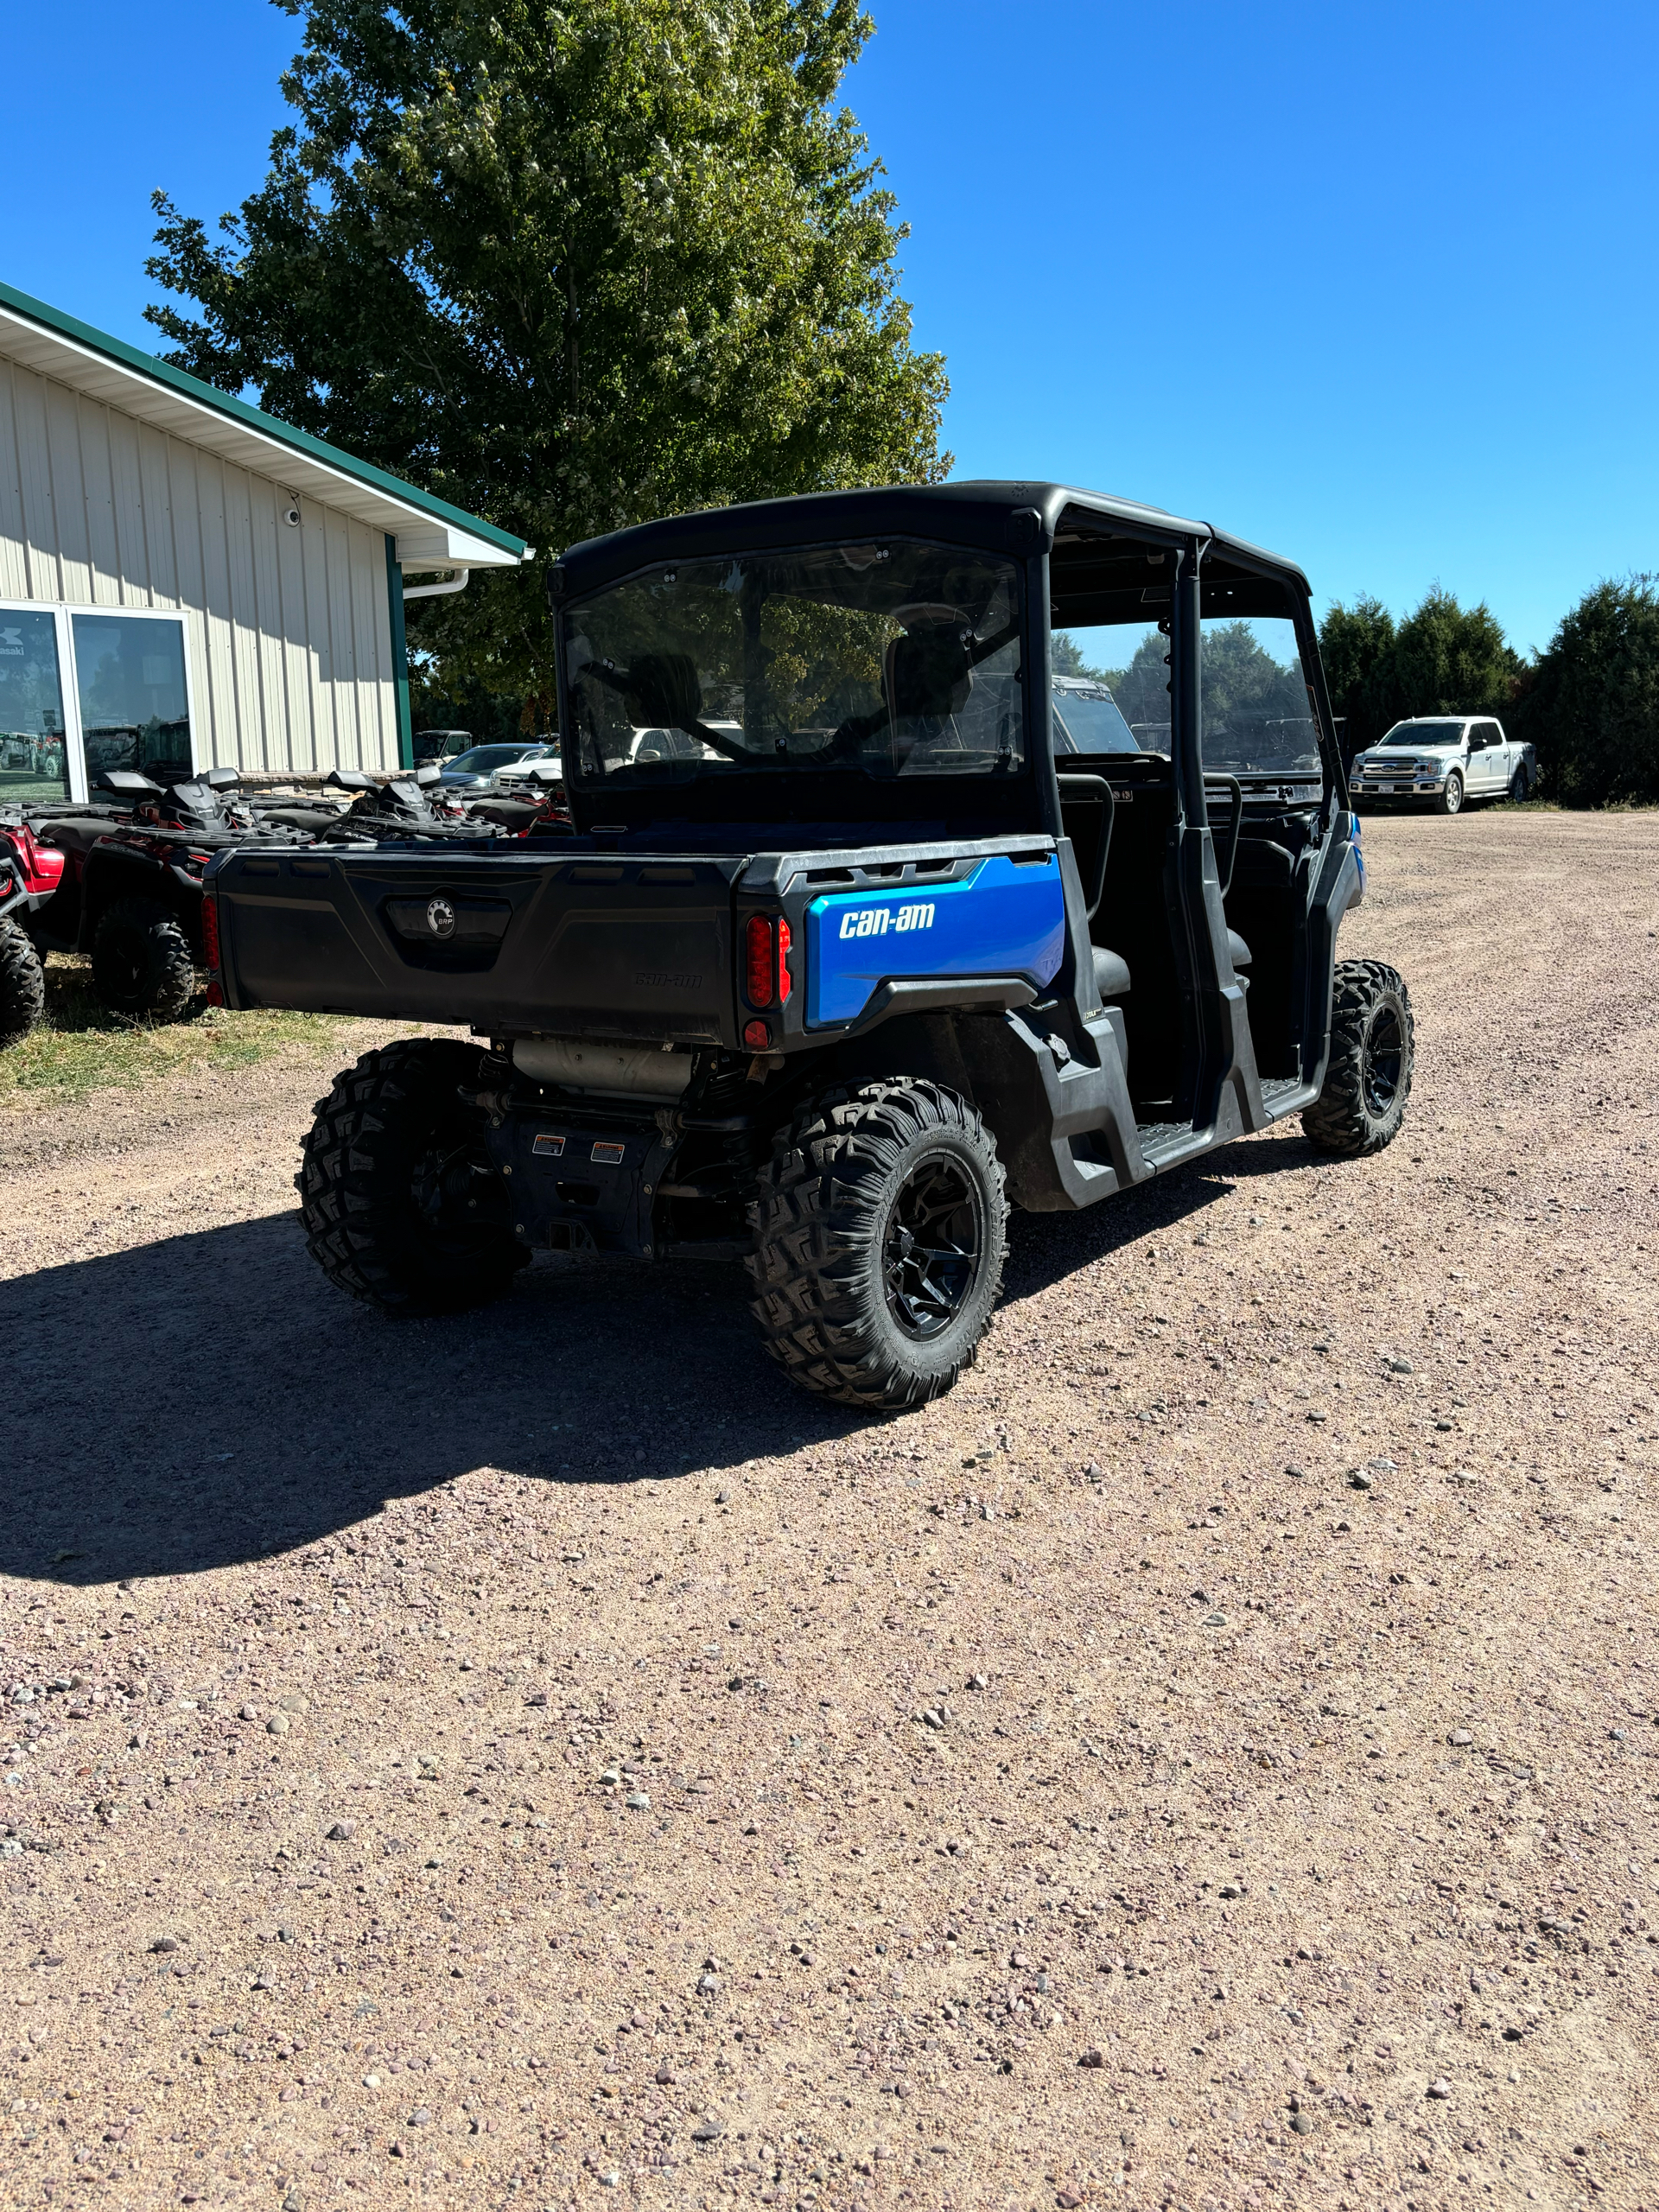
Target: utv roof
(985, 514)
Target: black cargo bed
(603, 944)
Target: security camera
(291, 516)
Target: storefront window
(133, 713)
(33, 758)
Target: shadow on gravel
(209, 1400)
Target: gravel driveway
(1209, 1760)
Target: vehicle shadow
(209, 1400)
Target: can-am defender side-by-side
(863, 926)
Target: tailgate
(595, 943)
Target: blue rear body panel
(1006, 918)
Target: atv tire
(880, 1235)
(1368, 1079)
(141, 962)
(402, 1206)
(22, 983)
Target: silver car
(1444, 762)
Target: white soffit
(424, 540)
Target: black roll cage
(1002, 518)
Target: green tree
(568, 267)
(1352, 641)
(1591, 704)
(1446, 659)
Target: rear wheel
(141, 962)
(880, 1235)
(1368, 1080)
(1452, 797)
(1519, 783)
(402, 1207)
(22, 983)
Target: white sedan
(1445, 762)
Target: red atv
(29, 875)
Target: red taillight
(759, 947)
(785, 981)
(757, 1035)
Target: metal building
(187, 582)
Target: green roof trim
(255, 418)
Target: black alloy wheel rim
(460, 1200)
(1383, 1055)
(935, 1242)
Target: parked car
(828, 988)
(435, 747)
(1444, 762)
(477, 769)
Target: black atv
(414, 805)
(131, 892)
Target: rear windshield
(879, 661)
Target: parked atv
(414, 805)
(531, 802)
(130, 891)
(30, 874)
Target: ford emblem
(441, 917)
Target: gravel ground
(1209, 1760)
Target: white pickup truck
(1443, 761)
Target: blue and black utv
(931, 849)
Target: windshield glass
(1111, 689)
(1414, 734)
(1257, 717)
(874, 660)
(1087, 719)
(483, 758)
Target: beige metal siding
(288, 631)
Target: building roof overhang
(429, 533)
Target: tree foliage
(1443, 658)
(1589, 704)
(567, 267)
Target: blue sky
(1373, 284)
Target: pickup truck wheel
(880, 1235)
(1450, 800)
(1519, 786)
(1368, 1080)
(22, 983)
(402, 1205)
(141, 962)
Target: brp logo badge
(441, 917)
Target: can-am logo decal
(441, 917)
(877, 921)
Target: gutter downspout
(399, 656)
(457, 583)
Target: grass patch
(81, 1046)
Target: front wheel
(142, 962)
(402, 1205)
(880, 1235)
(1452, 797)
(22, 983)
(1368, 1079)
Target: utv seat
(1111, 973)
(1112, 970)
